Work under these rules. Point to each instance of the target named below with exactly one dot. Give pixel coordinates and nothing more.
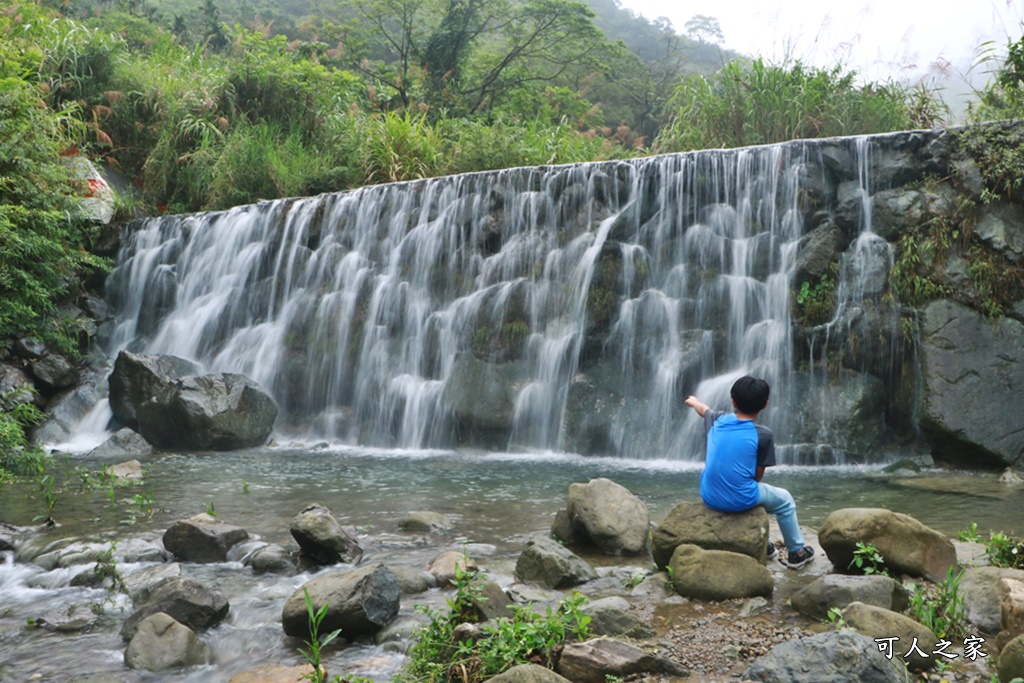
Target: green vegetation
(868, 560)
(1003, 550)
(438, 656)
(316, 642)
(941, 608)
(1003, 97)
(816, 304)
(17, 456)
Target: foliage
(316, 642)
(17, 416)
(1004, 550)
(943, 609)
(1003, 96)
(816, 304)
(835, 618)
(525, 637)
(868, 560)
(752, 103)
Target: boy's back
(735, 450)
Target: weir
(568, 308)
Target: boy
(738, 451)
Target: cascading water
(566, 308)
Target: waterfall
(556, 308)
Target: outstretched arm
(697, 405)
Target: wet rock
(208, 412)
(71, 619)
(482, 394)
(718, 574)
(66, 410)
(54, 372)
(831, 657)
(274, 673)
(894, 211)
(592, 661)
(397, 636)
(1011, 660)
(322, 539)
(1011, 477)
(490, 602)
(546, 561)
(16, 387)
(835, 590)
(816, 251)
(424, 522)
(444, 566)
(529, 673)
(979, 588)
(271, 559)
(185, 600)
(878, 622)
(612, 619)
(28, 348)
(202, 538)
(907, 545)
(360, 602)
(137, 378)
(161, 643)
(609, 516)
(127, 471)
(1001, 226)
(697, 524)
(124, 442)
(413, 581)
(140, 584)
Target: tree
(1003, 96)
(703, 28)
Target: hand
(697, 405)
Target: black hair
(750, 394)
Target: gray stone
(546, 561)
(830, 657)
(424, 521)
(185, 600)
(817, 251)
(161, 643)
(122, 443)
(137, 378)
(360, 602)
(202, 538)
(611, 620)
(849, 212)
(878, 622)
(16, 387)
(1011, 661)
(697, 524)
(66, 410)
(28, 348)
(140, 584)
(1011, 606)
(1001, 226)
(208, 412)
(274, 673)
(907, 545)
(835, 590)
(609, 516)
(979, 588)
(413, 581)
(718, 574)
(482, 394)
(54, 372)
(322, 539)
(529, 673)
(129, 471)
(490, 602)
(271, 559)
(973, 380)
(894, 211)
(592, 661)
(66, 619)
(445, 566)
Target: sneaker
(772, 551)
(799, 558)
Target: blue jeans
(780, 503)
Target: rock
(360, 602)
(66, 410)
(753, 607)
(593, 660)
(845, 411)
(878, 622)
(202, 538)
(1011, 661)
(697, 524)
(835, 590)
(130, 470)
(1011, 593)
(611, 517)
(529, 673)
(491, 602)
(718, 574)
(322, 539)
(830, 657)
(1011, 477)
(54, 372)
(137, 378)
(271, 559)
(894, 211)
(979, 588)
(609, 620)
(397, 636)
(424, 522)
(124, 442)
(140, 584)
(816, 252)
(482, 394)
(161, 643)
(17, 388)
(1001, 225)
(412, 581)
(907, 545)
(71, 619)
(546, 561)
(208, 412)
(444, 566)
(185, 600)
(274, 673)
(973, 375)
(28, 348)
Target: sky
(904, 39)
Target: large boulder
(697, 524)
(979, 588)
(835, 590)
(879, 622)
(609, 516)
(185, 600)
(973, 385)
(592, 661)
(208, 412)
(718, 574)
(54, 372)
(1011, 661)
(1011, 592)
(122, 443)
(830, 657)
(360, 602)
(547, 561)
(906, 545)
(202, 538)
(321, 537)
(137, 378)
(162, 643)
(529, 673)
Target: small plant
(211, 509)
(245, 486)
(835, 619)
(106, 568)
(970, 534)
(868, 560)
(1004, 550)
(942, 610)
(635, 580)
(316, 643)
